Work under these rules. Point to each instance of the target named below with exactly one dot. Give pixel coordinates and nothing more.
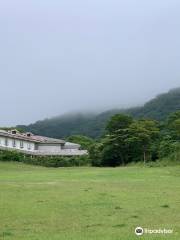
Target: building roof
(30, 137)
(43, 139)
(72, 144)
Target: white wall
(27, 145)
(49, 147)
(42, 149)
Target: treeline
(129, 140)
(126, 141)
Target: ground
(38, 203)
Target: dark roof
(43, 139)
(32, 138)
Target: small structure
(38, 145)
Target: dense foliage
(84, 141)
(47, 161)
(130, 140)
(160, 107)
(93, 125)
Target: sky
(85, 55)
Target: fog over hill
(93, 125)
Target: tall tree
(115, 149)
(173, 125)
(142, 133)
(118, 121)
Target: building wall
(49, 147)
(41, 148)
(20, 145)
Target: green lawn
(87, 203)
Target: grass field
(87, 203)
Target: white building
(38, 145)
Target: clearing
(38, 203)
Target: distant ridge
(93, 125)
(159, 107)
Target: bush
(47, 161)
(95, 154)
(10, 156)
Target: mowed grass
(40, 203)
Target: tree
(115, 150)
(141, 134)
(95, 154)
(118, 121)
(173, 125)
(129, 140)
(166, 147)
(84, 141)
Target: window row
(14, 143)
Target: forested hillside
(160, 107)
(93, 125)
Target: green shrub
(10, 156)
(47, 161)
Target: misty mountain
(93, 125)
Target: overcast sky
(58, 56)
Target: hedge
(47, 161)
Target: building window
(13, 131)
(6, 141)
(36, 146)
(21, 144)
(29, 146)
(14, 143)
